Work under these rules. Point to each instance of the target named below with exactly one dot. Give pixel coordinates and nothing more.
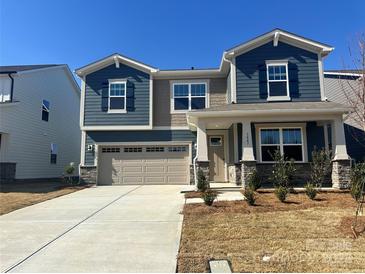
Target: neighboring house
(142, 125)
(338, 85)
(39, 125)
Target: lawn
(297, 236)
(17, 195)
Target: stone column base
(238, 170)
(341, 173)
(248, 167)
(88, 174)
(203, 166)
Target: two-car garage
(144, 164)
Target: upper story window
(45, 110)
(117, 96)
(277, 81)
(187, 96)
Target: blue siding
(135, 136)
(355, 142)
(303, 71)
(96, 97)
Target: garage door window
(155, 149)
(177, 149)
(110, 150)
(132, 149)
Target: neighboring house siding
(135, 136)
(27, 139)
(303, 71)
(162, 115)
(96, 97)
(229, 89)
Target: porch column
(248, 158)
(202, 149)
(341, 164)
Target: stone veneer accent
(204, 166)
(247, 168)
(88, 174)
(7, 172)
(341, 173)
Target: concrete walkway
(101, 229)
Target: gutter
(12, 87)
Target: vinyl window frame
(117, 81)
(189, 83)
(281, 141)
(274, 63)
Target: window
(289, 141)
(215, 141)
(277, 81)
(110, 150)
(177, 149)
(132, 149)
(155, 149)
(117, 96)
(45, 110)
(54, 151)
(188, 96)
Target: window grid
(277, 73)
(199, 90)
(155, 149)
(110, 150)
(177, 149)
(117, 89)
(132, 149)
(45, 110)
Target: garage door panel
(142, 166)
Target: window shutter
(130, 96)
(293, 80)
(262, 81)
(104, 99)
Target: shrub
(203, 184)
(283, 170)
(70, 169)
(357, 177)
(250, 196)
(310, 190)
(281, 192)
(320, 166)
(69, 178)
(209, 196)
(254, 181)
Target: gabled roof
(115, 58)
(280, 35)
(17, 68)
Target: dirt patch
(17, 195)
(298, 236)
(347, 222)
(193, 194)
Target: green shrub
(68, 178)
(357, 177)
(203, 184)
(281, 192)
(320, 166)
(310, 190)
(250, 196)
(254, 181)
(209, 196)
(283, 170)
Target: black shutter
(262, 81)
(130, 96)
(104, 99)
(293, 80)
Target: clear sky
(165, 34)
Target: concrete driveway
(100, 229)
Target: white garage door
(120, 165)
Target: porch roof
(323, 107)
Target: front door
(216, 158)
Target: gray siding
(162, 103)
(137, 97)
(135, 136)
(303, 69)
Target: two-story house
(142, 125)
(39, 125)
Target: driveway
(100, 229)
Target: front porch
(234, 140)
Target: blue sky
(165, 34)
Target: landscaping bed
(299, 235)
(17, 195)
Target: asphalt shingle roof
(17, 68)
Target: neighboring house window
(289, 141)
(117, 96)
(54, 151)
(45, 110)
(188, 96)
(277, 81)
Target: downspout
(11, 87)
(195, 158)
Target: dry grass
(298, 236)
(17, 195)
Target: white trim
(189, 74)
(321, 77)
(118, 81)
(82, 101)
(274, 63)
(116, 128)
(235, 143)
(276, 38)
(170, 128)
(342, 73)
(189, 83)
(223, 132)
(83, 144)
(233, 81)
(281, 126)
(151, 100)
